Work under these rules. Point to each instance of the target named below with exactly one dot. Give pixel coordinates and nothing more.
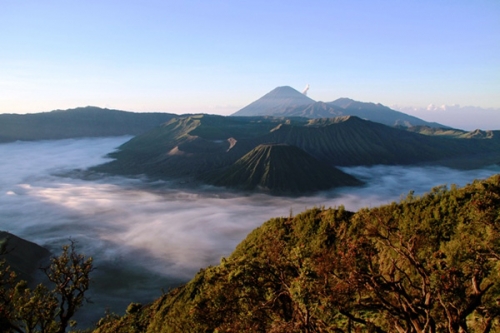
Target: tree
(428, 264)
(44, 310)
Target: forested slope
(425, 264)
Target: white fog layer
(148, 236)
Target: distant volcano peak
(284, 90)
(278, 98)
(285, 101)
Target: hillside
(189, 146)
(348, 141)
(425, 264)
(288, 102)
(201, 148)
(380, 113)
(280, 168)
(23, 256)
(75, 123)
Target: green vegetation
(425, 264)
(44, 310)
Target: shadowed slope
(274, 102)
(23, 256)
(281, 168)
(201, 147)
(189, 146)
(349, 140)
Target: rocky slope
(281, 168)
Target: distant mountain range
(80, 122)
(286, 155)
(288, 102)
(283, 143)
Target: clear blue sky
(218, 56)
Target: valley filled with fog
(148, 236)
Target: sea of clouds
(148, 236)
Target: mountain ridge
(199, 147)
(79, 122)
(288, 102)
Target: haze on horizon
(217, 57)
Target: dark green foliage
(44, 310)
(426, 264)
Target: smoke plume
(306, 89)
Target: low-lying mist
(147, 237)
